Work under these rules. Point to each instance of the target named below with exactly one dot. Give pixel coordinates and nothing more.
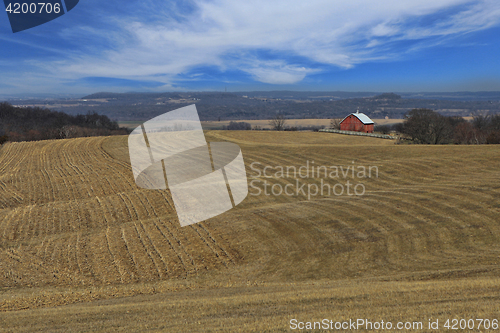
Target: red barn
(358, 122)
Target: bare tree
(465, 134)
(278, 122)
(67, 132)
(481, 122)
(427, 127)
(335, 123)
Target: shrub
(493, 138)
(3, 139)
(384, 129)
(238, 126)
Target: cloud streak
(275, 42)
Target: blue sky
(358, 45)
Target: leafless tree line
(429, 127)
(30, 124)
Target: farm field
(82, 248)
(217, 125)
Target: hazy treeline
(426, 126)
(30, 124)
(242, 106)
(238, 126)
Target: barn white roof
(362, 117)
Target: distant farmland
(82, 248)
(217, 125)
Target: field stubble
(422, 241)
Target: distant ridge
(100, 95)
(218, 105)
(387, 96)
(313, 95)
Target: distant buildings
(358, 122)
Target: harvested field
(78, 235)
(74, 216)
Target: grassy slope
(421, 243)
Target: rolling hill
(83, 248)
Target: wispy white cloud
(276, 72)
(297, 37)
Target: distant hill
(264, 105)
(387, 96)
